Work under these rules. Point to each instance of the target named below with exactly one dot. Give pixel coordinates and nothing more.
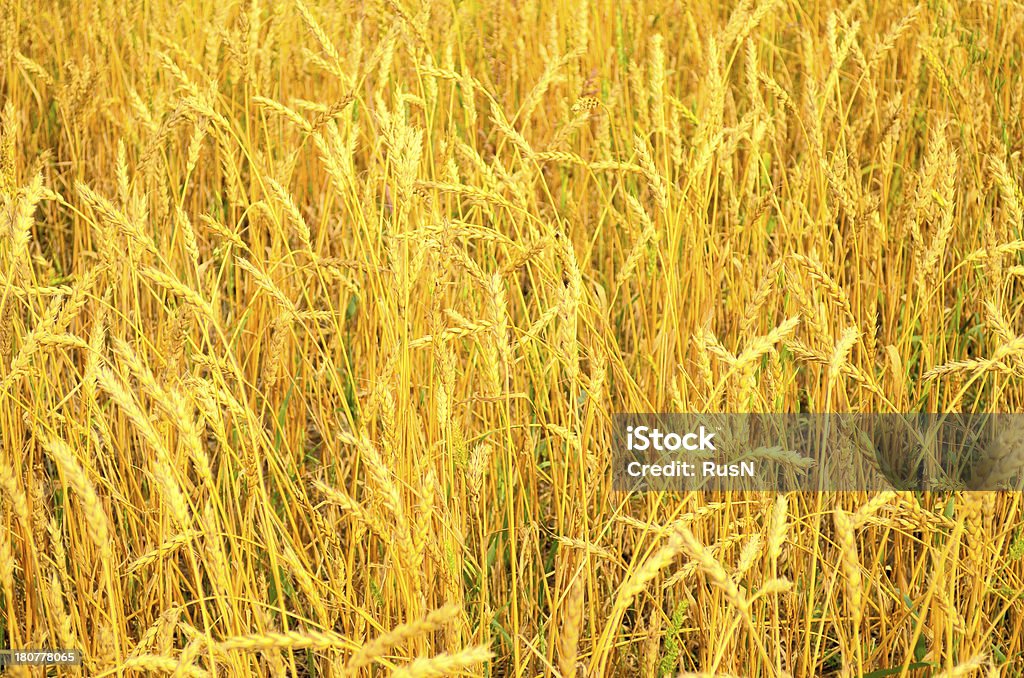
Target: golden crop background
(313, 316)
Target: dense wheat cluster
(314, 315)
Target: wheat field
(314, 317)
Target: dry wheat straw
(850, 563)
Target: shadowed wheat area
(314, 317)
